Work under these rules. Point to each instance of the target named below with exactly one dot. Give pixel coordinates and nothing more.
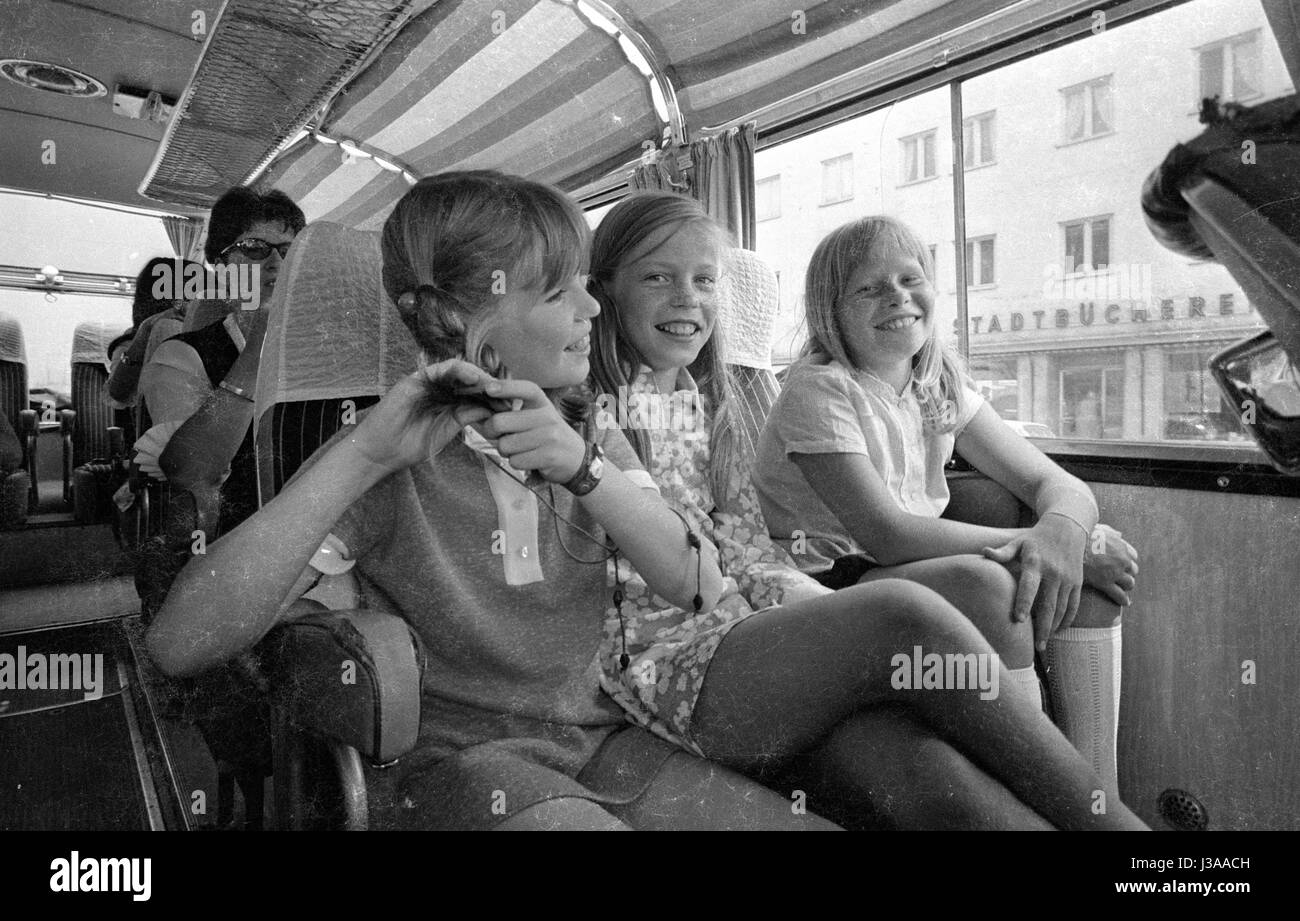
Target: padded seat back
(334, 345)
(747, 315)
(90, 368)
(13, 370)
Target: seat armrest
(976, 499)
(353, 676)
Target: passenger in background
(197, 387)
(153, 319)
(197, 391)
(851, 471)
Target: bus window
(1093, 329)
(94, 237)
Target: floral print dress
(670, 648)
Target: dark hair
(145, 304)
(241, 208)
(457, 238)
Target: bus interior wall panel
(1211, 695)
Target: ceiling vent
(53, 78)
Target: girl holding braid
(516, 731)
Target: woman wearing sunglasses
(197, 391)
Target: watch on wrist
(589, 472)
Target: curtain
(723, 180)
(184, 233)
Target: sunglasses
(258, 250)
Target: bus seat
(747, 314)
(90, 390)
(334, 345)
(14, 406)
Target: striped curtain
(184, 234)
(723, 180)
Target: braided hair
(457, 241)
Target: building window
(1092, 401)
(837, 179)
(979, 262)
(767, 198)
(918, 157)
(1230, 69)
(1087, 110)
(977, 140)
(1087, 245)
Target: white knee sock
(1083, 675)
(1026, 681)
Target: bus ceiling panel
(267, 68)
(96, 153)
(536, 90)
(78, 160)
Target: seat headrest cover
(90, 341)
(12, 347)
(747, 310)
(332, 330)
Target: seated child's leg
(879, 769)
(691, 794)
(985, 592)
(782, 680)
(1083, 664)
(564, 814)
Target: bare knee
(1096, 610)
(985, 592)
(910, 612)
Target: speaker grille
(1182, 811)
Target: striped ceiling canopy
(568, 91)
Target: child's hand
(535, 436)
(1110, 564)
(402, 430)
(1050, 559)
